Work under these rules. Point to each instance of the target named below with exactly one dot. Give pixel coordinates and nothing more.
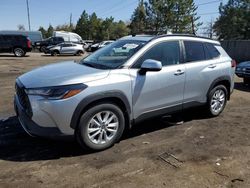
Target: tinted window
(7, 38)
(66, 45)
(211, 51)
(168, 53)
(194, 51)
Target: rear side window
(211, 51)
(168, 53)
(66, 45)
(194, 51)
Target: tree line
(162, 16)
(90, 27)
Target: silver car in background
(65, 48)
(123, 83)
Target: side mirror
(150, 65)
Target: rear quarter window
(211, 51)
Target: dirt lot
(199, 153)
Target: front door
(157, 93)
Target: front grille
(248, 70)
(23, 98)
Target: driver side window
(168, 53)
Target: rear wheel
(19, 52)
(54, 53)
(217, 100)
(100, 127)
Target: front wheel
(79, 53)
(100, 127)
(217, 100)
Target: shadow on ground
(241, 87)
(16, 145)
(12, 55)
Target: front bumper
(31, 127)
(242, 74)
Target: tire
(217, 100)
(54, 53)
(42, 48)
(95, 140)
(19, 52)
(246, 81)
(79, 53)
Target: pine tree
(138, 19)
(50, 31)
(43, 31)
(234, 20)
(177, 16)
(82, 28)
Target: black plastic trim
(158, 113)
(217, 80)
(95, 97)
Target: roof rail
(182, 35)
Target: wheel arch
(223, 80)
(115, 97)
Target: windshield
(113, 55)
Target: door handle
(211, 66)
(179, 72)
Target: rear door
(66, 49)
(6, 43)
(157, 93)
(201, 70)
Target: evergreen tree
(106, 28)
(50, 31)
(95, 27)
(43, 31)
(177, 16)
(119, 29)
(234, 20)
(82, 27)
(138, 19)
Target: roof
(138, 37)
(153, 37)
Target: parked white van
(68, 36)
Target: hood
(57, 74)
(244, 64)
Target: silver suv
(130, 80)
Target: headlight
(244, 69)
(238, 69)
(57, 92)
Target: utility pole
(28, 11)
(70, 20)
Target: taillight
(29, 43)
(233, 63)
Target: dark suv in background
(17, 44)
(42, 45)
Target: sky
(57, 12)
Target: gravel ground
(201, 152)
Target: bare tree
(21, 27)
